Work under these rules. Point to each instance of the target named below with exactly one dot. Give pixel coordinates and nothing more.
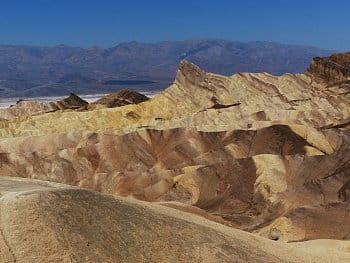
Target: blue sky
(105, 23)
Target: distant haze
(30, 71)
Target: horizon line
(165, 41)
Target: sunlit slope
(207, 101)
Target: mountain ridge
(29, 71)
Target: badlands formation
(25, 108)
(211, 156)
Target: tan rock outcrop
(208, 102)
(120, 98)
(26, 108)
(334, 68)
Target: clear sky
(105, 23)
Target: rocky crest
(120, 98)
(84, 71)
(25, 108)
(71, 102)
(332, 69)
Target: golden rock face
(266, 154)
(206, 101)
(333, 68)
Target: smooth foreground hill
(27, 71)
(45, 222)
(266, 154)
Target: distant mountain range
(27, 71)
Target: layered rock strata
(265, 154)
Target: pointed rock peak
(122, 97)
(190, 72)
(73, 101)
(187, 67)
(19, 101)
